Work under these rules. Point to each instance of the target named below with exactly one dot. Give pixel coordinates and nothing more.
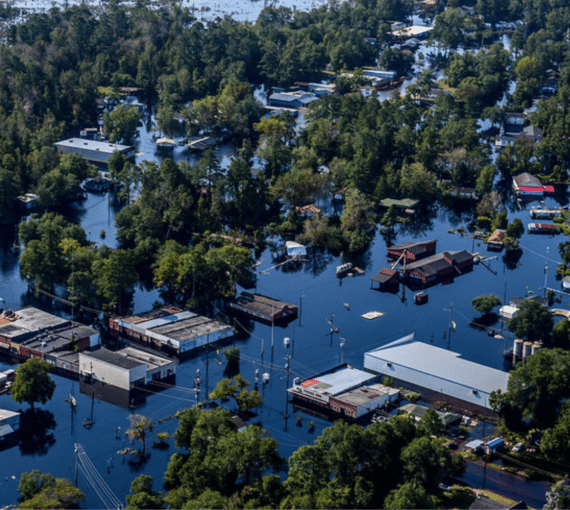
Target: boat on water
(343, 269)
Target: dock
(263, 308)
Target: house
(295, 250)
(170, 329)
(92, 150)
(415, 31)
(475, 446)
(29, 202)
(513, 123)
(526, 185)
(386, 278)
(413, 250)
(405, 204)
(417, 412)
(566, 283)
(532, 133)
(427, 367)
(496, 240)
(292, 99)
(439, 266)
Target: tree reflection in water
(36, 436)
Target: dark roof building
(414, 250)
(439, 266)
(264, 308)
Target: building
(543, 228)
(413, 250)
(170, 330)
(543, 213)
(406, 205)
(292, 99)
(28, 202)
(417, 412)
(386, 278)
(496, 240)
(344, 391)
(126, 369)
(513, 123)
(33, 333)
(9, 426)
(426, 367)
(264, 308)
(526, 185)
(92, 150)
(440, 266)
(415, 31)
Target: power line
(84, 464)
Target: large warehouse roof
(441, 363)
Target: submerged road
(513, 487)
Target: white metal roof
(441, 363)
(5, 414)
(93, 145)
(167, 319)
(342, 380)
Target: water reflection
(36, 434)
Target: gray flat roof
(113, 358)
(92, 145)
(152, 361)
(30, 320)
(363, 394)
(5, 414)
(441, 363)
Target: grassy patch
(459, 497)
(497, 497)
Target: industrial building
(424, 366)
(33, 333)
(126, 369)
(92, 150)
(344, 391)
(526, 185)
(170, 330)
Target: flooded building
(442, 372)
(264, 308)
(92, 150)
(526, 185)
(9, 427)
(33, 333)
(413, 250)
(170, 329)
(343, 391)
(434, 268)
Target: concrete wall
(110, 374)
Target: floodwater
(321, 296)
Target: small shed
(494, 445)
(474, 445)
(566, 283)
(508, 312)
(295, 249)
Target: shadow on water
(421, 224)
(456, 211)
(511, 258)
(36, 432)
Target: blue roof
(494, 443)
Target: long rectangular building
(264, 308)
(91, 150)
(433, 368)
(33, 333)
(170, 330)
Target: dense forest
(200, 78)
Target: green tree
(122, 123)
(535, 391)
(33, 482)
(139, 429)
(533, 321)
(57, 493)
(236, 389)
(33, 383)
(485, 303)
(409, 495)
(430, 424)
(515, 229)
(142, 496)
(298, 187)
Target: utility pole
(300, 309)
(545, 277)
(450, 328)
(341, 350)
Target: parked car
(518, 447)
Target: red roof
(532, 190)
(549, 189)
(309, 382)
